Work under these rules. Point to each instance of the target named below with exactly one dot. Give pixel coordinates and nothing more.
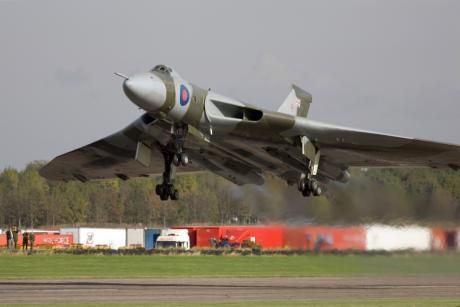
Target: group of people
(12, 236)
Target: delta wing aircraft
(189, 129)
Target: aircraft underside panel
(115, 157)
(243, 159)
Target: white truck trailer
(391, 238)
(113, 238)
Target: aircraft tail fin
(296, 103)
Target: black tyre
(302, 185)
(167, 189)
(313, 185)
(176, 160)
(175, 195)
(317, 192)
(184, 159)
(164, 196)
(306, 192)
(158, 189)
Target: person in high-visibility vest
(15, 236)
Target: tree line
(379, 195)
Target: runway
(225, 289)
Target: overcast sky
(390, 66)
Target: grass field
(98, 266)
(331, 303)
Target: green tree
(33, 194)
(9, 183)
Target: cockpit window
(162, 68)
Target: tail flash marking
(296, 103)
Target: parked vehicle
(173, 238)
(150, 237)
(112, 238)
(135, 237)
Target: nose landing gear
(174, 156)
(166, 189)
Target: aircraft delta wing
(188, 129)
(114, 156)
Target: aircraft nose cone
(145, 90)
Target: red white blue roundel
(184, 95)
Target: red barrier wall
(325, 238)
(53, 240)
(444, 239)
(43, 239)
(265, 236)
(205, 234)
(281, 236)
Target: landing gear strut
(166, 189)
(176, 145)
(307, 184)
(174, 156)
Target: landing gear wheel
(176, 160)
(313, 185)
(159, 189)
(302, 185)
(309, 186)
(164, 196)
(306, 192)
(174, 195)
(184, 159)
(166, 191)
(317, 192)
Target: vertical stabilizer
(296, 103)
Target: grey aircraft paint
(238, 141)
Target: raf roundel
(184, 95)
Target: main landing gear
(174, 156)
(309, 186)
(307, 183)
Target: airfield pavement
(226, 289)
